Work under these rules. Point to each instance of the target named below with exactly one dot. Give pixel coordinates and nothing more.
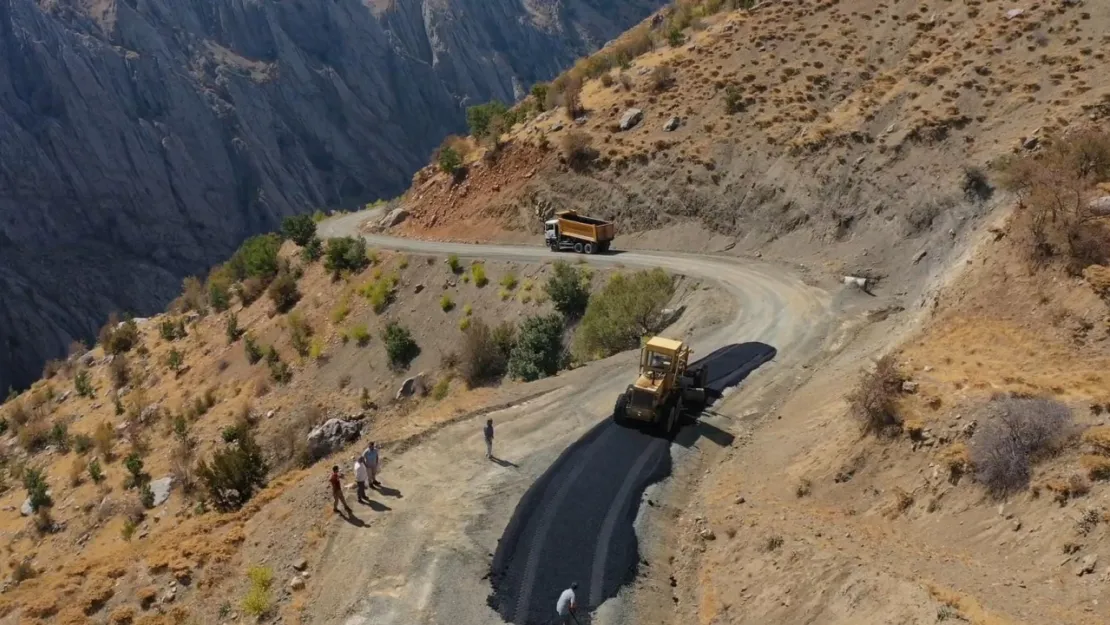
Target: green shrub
(135, 475)
(128, 529)
(256, 258)
(172, 330)
(253, 351)
(379, 292)
(219, 289)
(299, 334)
(484, 356)
(360, 335)
(539, 92)
(449, 160)
(146, 496)
(479, 117)
(234, 473)
(508, 281)
(319, 216)
(478, 270)
(95, 472)
(174, 360)
(464, 323)
(675, 36)
(453, 263)
(341, 310)
(628, 308)
(345, 254)
(234, 332)
(119, 337)
(283, 292)
(440, 390)
(538, 349)
(446, 304)
(399, 345)
(257, 602)
(59, 436)
(568, 290)
(312, 250)
(734, 99)
(82, 384)
(300, 229)
(279, 370)
(34, 480)
(82, 443)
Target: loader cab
(658, 359)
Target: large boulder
(630, 118)
(161, 489)
(394, 217)
(1101, 206)
(416, 385)
(332, 435)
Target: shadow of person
(377, 506)
(389, 492)
(501, 462)
(352, 519)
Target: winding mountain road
(469, 541)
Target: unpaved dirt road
(427, 558)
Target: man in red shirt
(337, 491)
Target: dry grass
(1098, 439)
(1064, 490)
(874, 402)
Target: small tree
(539, 92)
(628, 308)
(485, 352)
(538, 349)
(95, 471)
(345, 254)
(567, 290)
(135, 475)
(300, 229)
(449, 160)
(234, 473)
(34, 480)
(254, 353)
(119, 337)
(399, 345)
(234, 332)
(82, 384)
(874, 401)
(283, 292)
(313, 250)
(175, 360)
(219, 289)
(478, 117)
(256, 258)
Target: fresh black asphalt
(575, 523)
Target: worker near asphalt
(567, 605)
(489, 438)
(337, 491)
(372, 460)
(360, 479)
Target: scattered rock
(394, 217)
(909, 386)
(270, 414)
(630, 118)
(1101, 206)
(1017, 525)
(918, 256)
(707, 534)
(740, 500)
(333, 434)
(418, 288)
(296, 584)
(672, 124)
(557, 126)
(161, 489)
(859, 283)
(1086, 565)
(300, 564)
(1031, 143)
(412, 386)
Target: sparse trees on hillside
(345, 254)
(568, 290)
(627, 309)
(538, 351)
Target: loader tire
(620, 409)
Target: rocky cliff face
(142, 140)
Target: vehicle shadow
(726, 367)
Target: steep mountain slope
(142, 140)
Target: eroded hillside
(143, 141)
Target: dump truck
(585, 235)
(665, 387)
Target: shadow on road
(501, 462)
(389, 492)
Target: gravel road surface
(559, 503)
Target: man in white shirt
(567, 605)
(360, 480)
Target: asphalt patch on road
(575, 523)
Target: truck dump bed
(572, 224)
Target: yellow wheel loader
(665, 387)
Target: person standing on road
(371, 459)
(567, 605)
(489, 439)
(360, 479)
(337, 491)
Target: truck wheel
(578, 248)
(588, 248)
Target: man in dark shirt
(489, 439)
